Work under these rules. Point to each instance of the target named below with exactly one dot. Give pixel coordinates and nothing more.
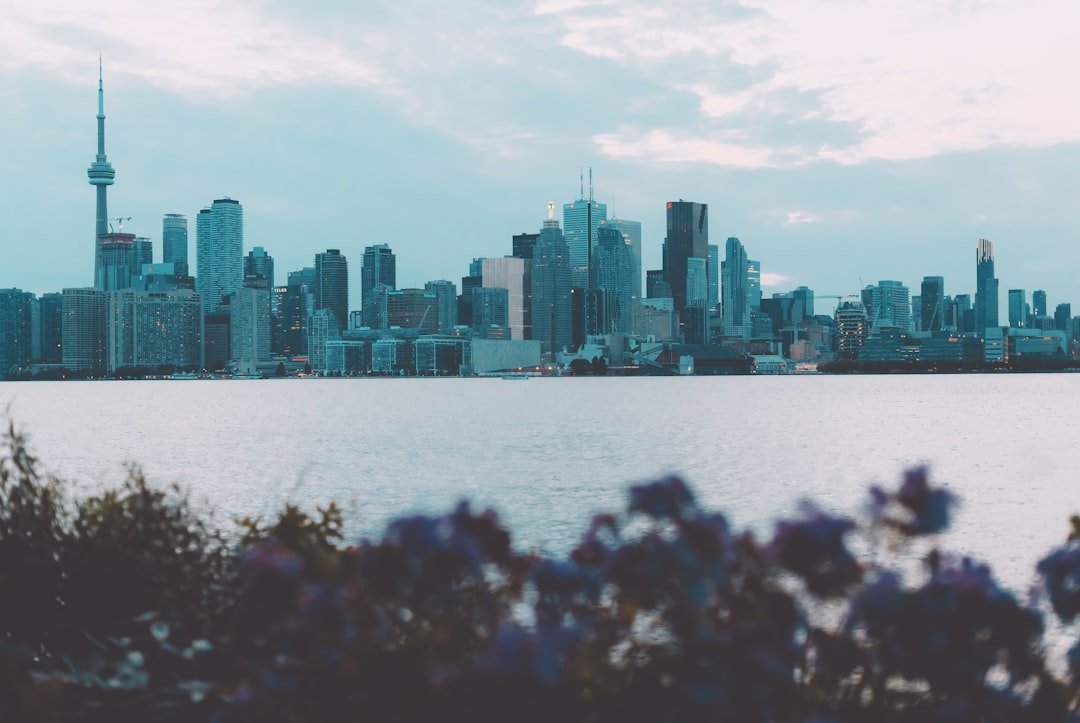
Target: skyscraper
(84, 329)
(332, 285)
(514, 275)
(889, 304)
(101, 173)
(379, 269)
(219, 243)
(613, 274)
(581, 220)
(15, 329)
(50, 318)
(153, 328)
(250, 325)
(687, 237)
(753, 284)
(1018, 308)
(120, 259)
(631, 231)
(713, 274)
(551, 313)
(412, 309)
(174, 242)
(523, 245)
(445, 302)
(735, 290)
(1038, 302)
(259, 263)
(986, 288)
(297, 304)
(933, 308)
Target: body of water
(549, 453)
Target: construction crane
(119, 223)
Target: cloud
(796, 217)
(771, 279)
(913, 78)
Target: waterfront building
(550, 294)
(154, 328)
(332, 285)
(393, 357)
(83, 331)
(261, 264)
(523, 245)
(687, 237)
(445, 302)
(631, 233)
(346, 357)
(852, 328)
(986, 288)
(322, 327)
(217, 346)
(1038, 302)
(933, 304)
(16, 329)
(250, 326)
(496, 356)
(378, 271)
(174, 242)
(735, 291)
(412, 309)
(888, 304)
(219, 245)
(514, 275)
(442, 356)
(1018, 316)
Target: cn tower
(101, 172)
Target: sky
(843, 141)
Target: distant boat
(515, 376)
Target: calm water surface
(548, 453)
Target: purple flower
(1061, 575)
(813, 549)
(929, 508)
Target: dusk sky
(844, 142)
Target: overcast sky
(844, 141)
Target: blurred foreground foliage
(130, 606)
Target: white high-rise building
(155, 328)
(250, 326)
(514, 275)
(219, 246)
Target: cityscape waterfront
(571, 297)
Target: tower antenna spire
(590, 184)
(581, 178)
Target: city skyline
(876, 212)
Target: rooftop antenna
(581, 172)
(590, 184)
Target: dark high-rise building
(804, 303)
(50, 320)
(259, 263)
(523, 245)
(379, 270)
(1018, 316)
(412, 309)
(1062, 314)
(986, 288)
(219, 246)
(446, 303)
(217, 339)
(491, 308)
(101, 175)
(474, 280)
(577, 316)
(332, 285)
(551, 304)
(174, 242)
(933, 303)
(612, 273)
(16, 329)
(687, 237)
(656, 287)
(1038, 302)
(296, 305)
